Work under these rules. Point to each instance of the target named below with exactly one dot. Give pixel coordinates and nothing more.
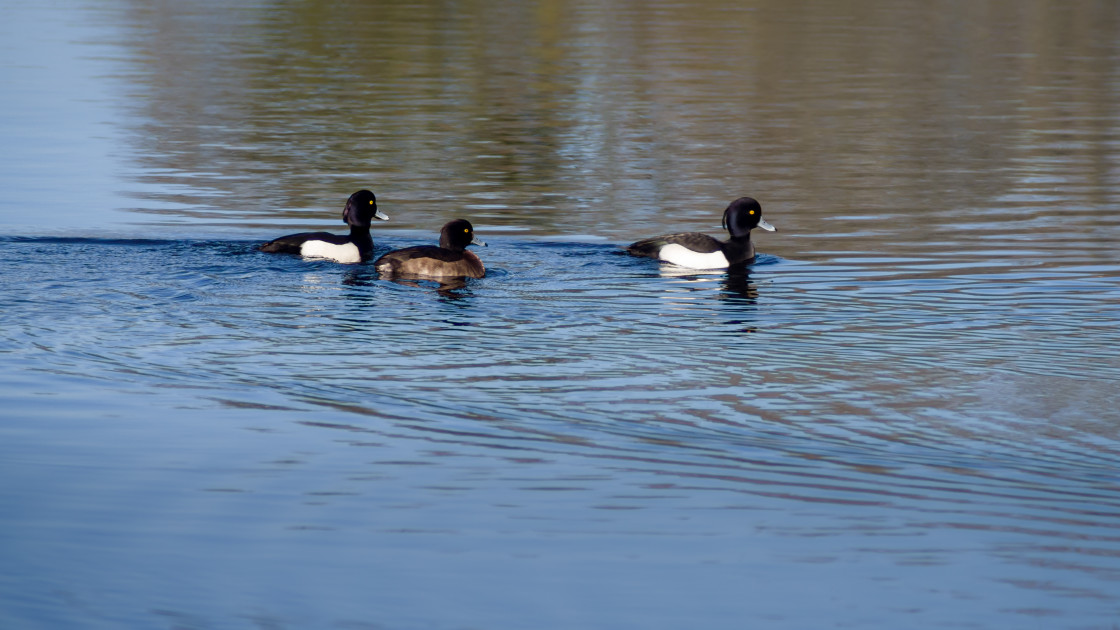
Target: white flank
(681, 255)
(347, 253)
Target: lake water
(905, 414)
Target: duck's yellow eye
(371, 202)
(752, 211)
(467, 230)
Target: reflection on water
(450, 287)
(903, 414)
(854, 124)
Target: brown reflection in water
(860, 124)
(446, 287)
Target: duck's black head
(361, 209)
(457, 235)
(743, 215)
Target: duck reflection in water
(738, 287)
(734, 286)
(446, 287)
(736, 281)
(739, 290)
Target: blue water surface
(904, 414)
(202, 435)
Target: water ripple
(902, 387)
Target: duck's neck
(359, 235)
(739, 249)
